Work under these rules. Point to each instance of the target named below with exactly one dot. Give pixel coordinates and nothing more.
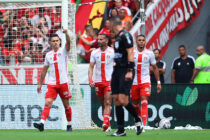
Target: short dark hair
(182, 46)
(88, 26)
(53, 35)
(40, 46)
(116, 20)
(96, 31)
(157, 50)
(141, 35)
(105, 35)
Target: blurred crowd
(24, 32)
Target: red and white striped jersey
(142, 62)
(104, 61)
(58, 66)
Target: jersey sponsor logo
(117, 55)
(116, 45)
(129, 41)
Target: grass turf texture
(99, 135)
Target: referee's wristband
(130, 65)
(158, 82)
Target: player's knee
(48, 104)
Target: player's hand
(128, 76)
(159, 87)
(39, 89)
(65, 31)
(92, 84)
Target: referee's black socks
(120, 118)
(132, 111)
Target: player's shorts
(63, 90)
(137, 91)
(102, 88)
(118, 83)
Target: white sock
(42, 121)
(68, 123)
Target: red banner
(164, 18)
(21, 75)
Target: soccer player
(56, 59)
(103, 59)
(122, 77)
(141, 88)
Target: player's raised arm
(68, 46)
(42, 77)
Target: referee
(122, 77)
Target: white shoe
(109, 129)
(143, 131)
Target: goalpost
(25, 28)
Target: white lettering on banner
(160, 112)
(20, 106)
(154, 113)
(164, 18)
(21, 75)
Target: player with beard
(141, 88)
(103, 59)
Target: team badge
(145, 58)
(59, 54)
(116, 45)
(108, 56)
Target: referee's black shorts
(118, 83)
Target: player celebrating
(57, 79)
(141, 88)
(122, 77)
(103, 58)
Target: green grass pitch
(99, 135)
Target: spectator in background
(201, 74)
(56, 19)
(94, 42)
(126, 20)
(38, 38)
(23, 23)
(38, 56)
(118, 4)
(161, 67)
(182, 67)
(36, 18)
(42, 25)
(27, 55)
(113, 12)
(87, 36)
(106, 29)
(15, 51)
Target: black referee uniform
(123, 41)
